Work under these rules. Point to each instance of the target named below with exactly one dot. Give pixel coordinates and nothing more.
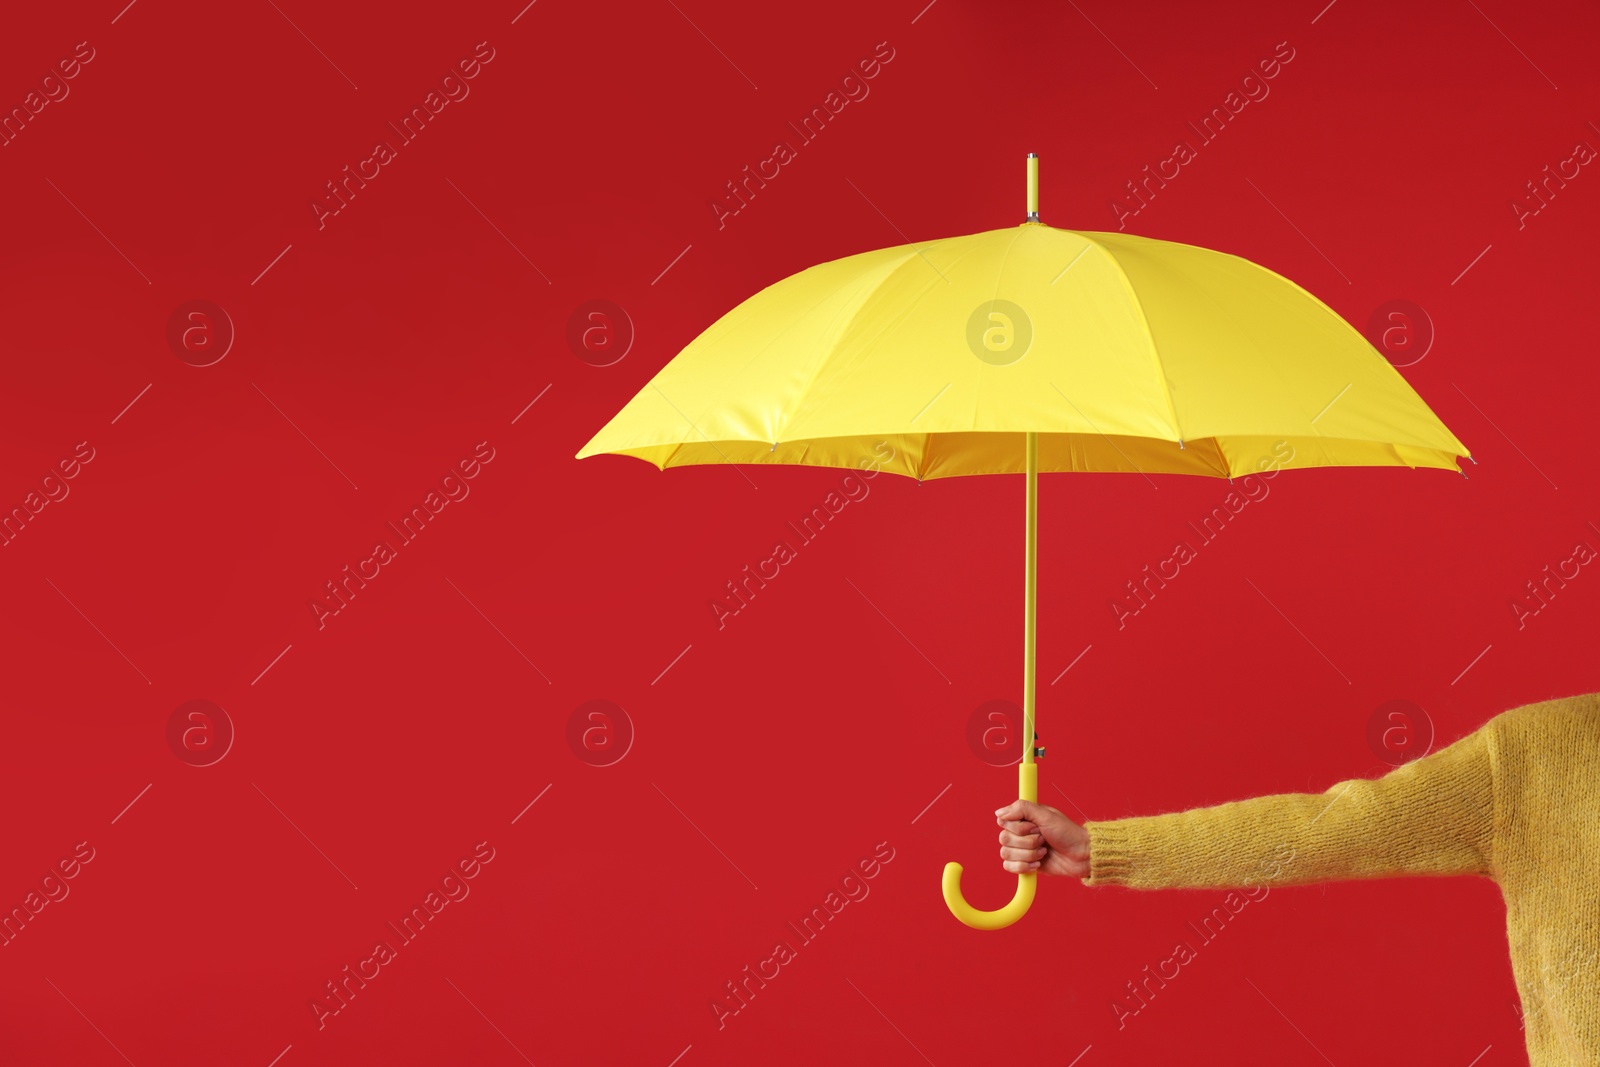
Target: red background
(374, 753)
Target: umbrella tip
(1033, 187)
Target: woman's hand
(1037, 837)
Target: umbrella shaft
(1030, 601)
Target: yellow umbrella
(1031, 349)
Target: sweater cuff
(1110, 853)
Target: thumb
(1021, 810)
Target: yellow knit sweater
(1517, 800)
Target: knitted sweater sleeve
(1432, 816)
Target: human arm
(1432, 816)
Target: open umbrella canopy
(1123, 353)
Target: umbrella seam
(1138, 306)
(1378, 365)
(977, 395)
(774, 339)
(823, 360)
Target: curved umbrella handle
(1022, 900)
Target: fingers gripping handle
(1027, 789)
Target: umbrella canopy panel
(1123, 353)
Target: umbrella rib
(977, 393)
(1003, 260)
(1275, 368)
(774, 338)
(1227, 464)
(823, 361)
(1382, 368)
(1138, 307)
(702, 433)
